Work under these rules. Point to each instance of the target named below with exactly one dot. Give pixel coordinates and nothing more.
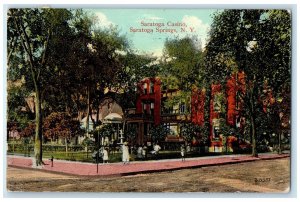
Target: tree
(188, 131)
(61, 125)
(226, 131)
(73, 79)
(131, 136)
(136, 67)
(30, 31)
(182, 64)
(102, 132)
(182, 69)
(192, 132)
(94, 65)
(256, 42)
(28, 131)
(18, 111)
(159, 133)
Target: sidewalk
(119, 169)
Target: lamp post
(273, 139)
(98, 142)
(279, 143)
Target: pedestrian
(156, 150)
(100, 154)
(144, 151)
(105, 155)
(188, 148)
(125, 153)
(140, 152)
(182, 152)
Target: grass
(83, 156)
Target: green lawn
(77, 153)
(72, 156)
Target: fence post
(51, 161)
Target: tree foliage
(30, 31)
(190, 132)
(61, 125)
(159, 133)
(182, 64)
(256, 42)
(106, 130)
(28, 131)
(65, 60)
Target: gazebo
(114, 118)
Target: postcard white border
(256, 4)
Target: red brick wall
(231, 89)
(197, 106)
(157, 101)
(154, 97)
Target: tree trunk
(94, 122)
(88, 111)
(226, 144)
(279, 141)
(38, 128)
(66, 143)
(97, 116)
(253, 137)
(252, 122)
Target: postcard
(148, 100)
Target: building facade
(153, 108)
(147, 112)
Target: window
(175, 109)
(145, 88)
(217, 102)
(182, 108)
(145, 108)
(216, 132)
(167, 125)
(152, 108)
(151, 87)
(146, 131)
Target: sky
(176, 23)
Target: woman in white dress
(182, 152)
(105, 155)
(125, 153)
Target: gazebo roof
(113, 118)
(108, 106)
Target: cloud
(103, 20)
(151, 17)
(157, 52)
(201, 29)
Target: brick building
(148, 109)
(151, 109)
